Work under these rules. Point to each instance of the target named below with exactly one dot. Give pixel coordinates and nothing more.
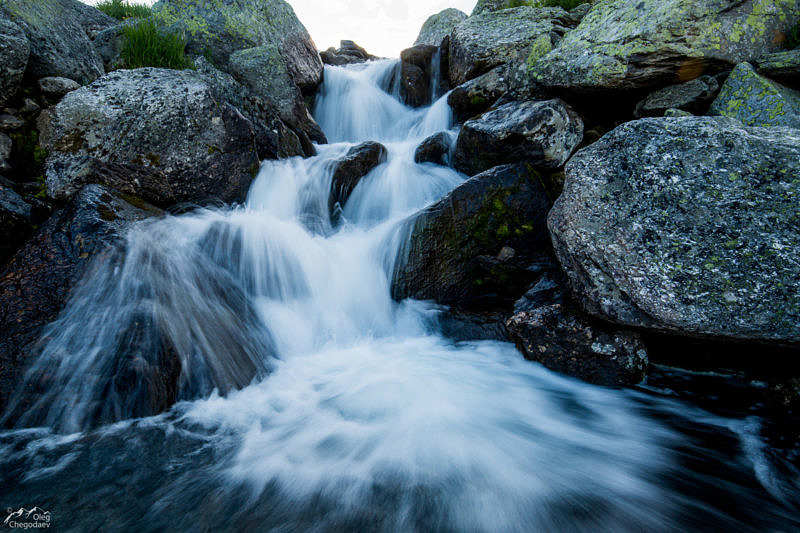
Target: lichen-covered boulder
(484, 41)
(543, 134)
(572, 344)
(478, 94)
(757, 101)
(439, 26)
(687, 226)
(622, 45)
(222, 27)
(693, 96)
(783, 66)
(434, 149)
(166, 124)
(59, 35)
(459, 248)
(358, 162)
(55, 87)
(14, 52)
(35, 285)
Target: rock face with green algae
(687, 226)
(219, 28)
(59, 35)
(439, 26)
(622, 44)
(484, 41)
(177, 142)
(14, 52)
(757, 101)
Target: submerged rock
(686, 225)
(439, 26)
(14, 52)
(191, 145)
(569, 343)
(757, 101)
(35, 285)
(622, 45)
(434, 149)
(543, 134)
(693, 97)
(359, 161)
(453, 254)
(59, 34)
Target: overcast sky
(383, 27)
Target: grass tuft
(122, 9)
(146, 45)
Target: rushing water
(327, 406)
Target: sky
(383, 27)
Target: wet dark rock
(575, 345)
(694, 97)
(55, 87)
(59, 33)
(439, 26)
(416, 74)
(16, 222)
(35, 285)
(548, 290)
(434, 149)
(14, 52)
(5, 151)
(359, 161)
(543, 134)
(473, 325)
(10, 122)
(182, 138)
(454, 254)
(688, 226)
(347, 54)
(477, 95)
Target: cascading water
(344, 410)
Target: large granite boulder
(14, 52)
(783, 66)
(693, 97)
(165, 128)
(439, 26)
(757, 101)
(59, 33)
(358, 162)
(543, 134)
(480, 239)
(568, 342)
(478, 94)
(223, 27)
(622, 45)
(687, 226)
(35, 285)
(484, 41)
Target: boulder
(458, 248)
(484, 41)
(783, 66)
(572, 344)
(686, 226)
(55, 87)
(548, 290)
(477, 95)
(757, 101)
(439, 26)
(59, 34)
(348, 53)
(693, 96)
(16, 222)
(10, 123)
(489, 6)
(160, 123)
(108, 45)
(359, 161)
(543, 134)
(434, 149)
(35, 285)
(223, 27)
(622, 45)
(274, 139)
(5, 151)
(418, 66)
(14, 52)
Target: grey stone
(782, 66)
(10, 123)
(687, 226)
(478, 94)
(5, 151)
(359, 161)
(14, 52)
(693, 96)
(434, 149)
(57, 87)
(542, 134)
(439, 26)
(757, 101)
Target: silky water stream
(361, 415)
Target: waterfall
(304, 390)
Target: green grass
(122, 9)
(147, 45)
